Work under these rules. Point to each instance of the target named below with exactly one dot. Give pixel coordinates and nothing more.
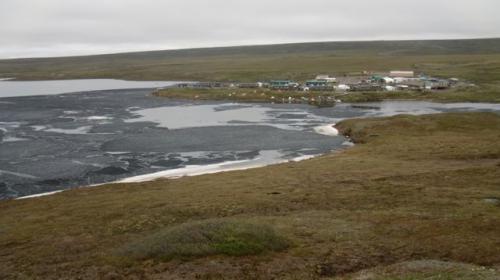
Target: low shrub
(212, 237)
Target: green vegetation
(206, 238)
(237, 94)
(415, 189)
(487, 93)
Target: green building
(282, 84)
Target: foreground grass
(417, 198)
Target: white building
(402, 74)
(388, 80)
(326, 78)
(343, 87)
(390, 88)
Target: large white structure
(402, 74)
(343, 87)
(388, 80)
(326, 78)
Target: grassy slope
(476, 60)
(413, 189)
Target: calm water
(29, 88)
(54, 142)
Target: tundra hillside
(417, 198)
(475, 60)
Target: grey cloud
(61, 27)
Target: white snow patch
(327, 130)
(190, 170)
(304, 157)
(39, 195)
(265, 158)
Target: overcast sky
(73, 27)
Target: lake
(10, 88)
(51, 142)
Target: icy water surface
(55, 142)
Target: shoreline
(191, 171)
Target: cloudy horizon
(45, 28)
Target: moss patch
(212, 237)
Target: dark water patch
(110, 170)
(64, 120)
(54, 182)
(3, 187)
(209, 159)
(222, 138)
(247, 155)
(292, 116)
(170, 163)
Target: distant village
(366, 82)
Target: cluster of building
(392, 81)
(400, 81)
